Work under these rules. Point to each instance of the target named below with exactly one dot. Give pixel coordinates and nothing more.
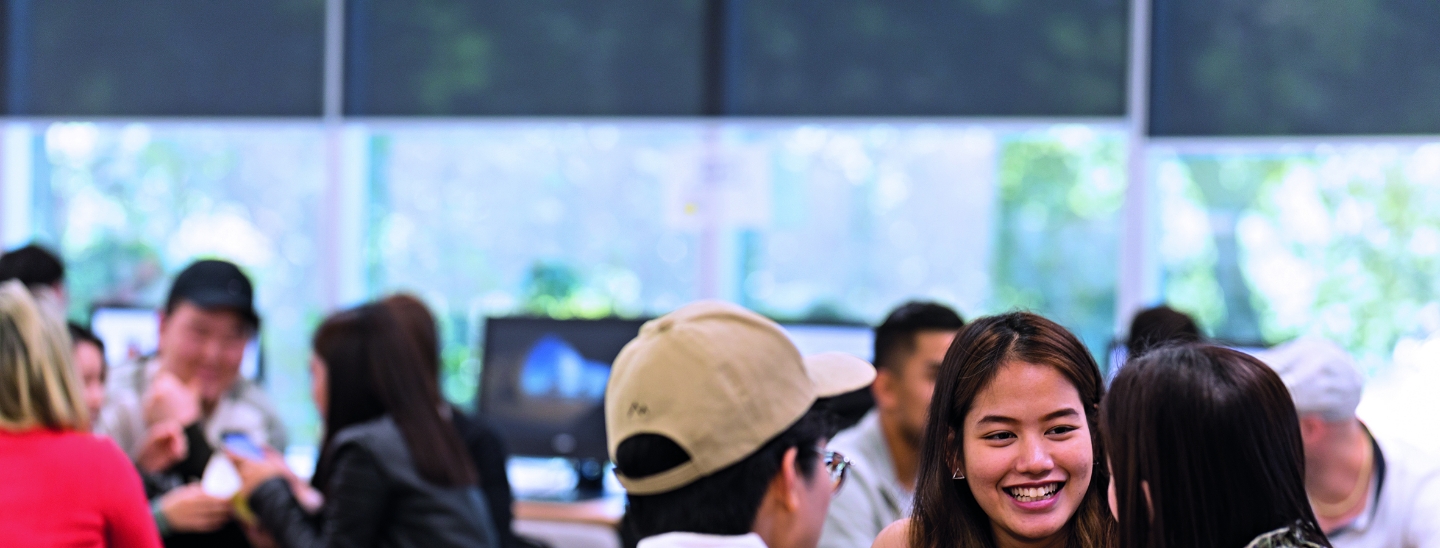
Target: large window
(1342, 242)
(853, 219)
(555, 219)
(814, 160)
(1337, 241)
(814, 222)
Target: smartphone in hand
(241, 444)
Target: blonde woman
(62, 485)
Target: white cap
(1321, 376)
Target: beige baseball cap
(720, 381)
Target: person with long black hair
(1205, 452)
(393, 471)
(482, 440)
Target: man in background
(42, 272)
(884, 448)
(169, 410)
(1159, 326)
(712, 425)
(1367, 491)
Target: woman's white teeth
(1032, 494)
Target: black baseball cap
(211, 284)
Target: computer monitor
(543, 381)
(132, 332)
(128, 333)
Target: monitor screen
(543, 382)
(132, 332)
(814, 338)
(128, 333)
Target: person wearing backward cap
(711, 422)
(1367, 491)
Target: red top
(71, 489)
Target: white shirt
(1405, 513)
(872, 497)
(696, 540)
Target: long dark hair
(365, 353)
(946, 512)
(418, 323)
(1214, 435)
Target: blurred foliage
(131, 270)
(1293, 67)
(1058, 232)
(1341, 243)
(559, 291)
(1228, 188)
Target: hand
(169, 399)
(164, 446)
(255, 472)
(189, 509)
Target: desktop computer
(542, 384)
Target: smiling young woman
(1011, 447)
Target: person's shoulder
(1405, 459)
(861, 438)
(98, 445)
(1285, 537)
(98, 452)
(849, 438)
(896, 535)
(75, 440)
(379, 436)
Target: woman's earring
(957, 475)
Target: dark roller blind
(1295, 67)
(164, 57)
(536, 57)
(952, 58)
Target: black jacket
(375, 497)
(487, 451)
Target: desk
(583, 524)
(604, 511)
